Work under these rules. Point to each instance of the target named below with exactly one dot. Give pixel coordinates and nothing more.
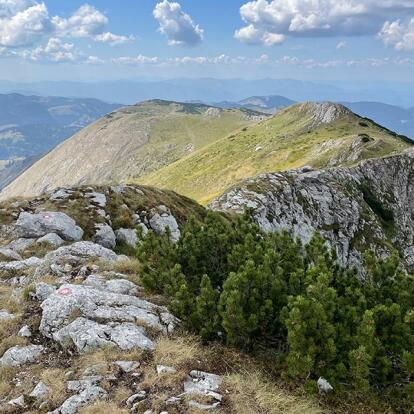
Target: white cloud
(22, 23)
(113, 39)
(398, 35)
(136, 60)
(87, 21)
(55, 51)
(341, 45)
(277, 19)
(26, 23)
(177, 25)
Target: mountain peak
(323, 112)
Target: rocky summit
(368, 206)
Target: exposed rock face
(39, 225)
(368, 206)
(323, 112)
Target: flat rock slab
(20, 264)
(30, 225)
(20, 355)
(81, 250)
(87, 335)
(122, 286)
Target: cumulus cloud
(87, 21)
(22, 23)
(398, 35)
(55, 51)
(177, 25)
(26, 23)
(269, 22)
(113, 39)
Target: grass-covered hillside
(131, 142)
(318, 135)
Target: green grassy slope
(318, 135)
(129, 143)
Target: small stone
(5, 315)
(204, 407)
(323, 386)
(25, 332)
(164, 369)
(127, 366)
(139, 396)
(40, 391)
(18, 402)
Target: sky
(345, 40)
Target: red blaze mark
(65, 292)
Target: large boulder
(127, 236)
(30, 225)
(81, 250)
(161, 219)
(104, 236)
(20, 355)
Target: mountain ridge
(316, 134)
(128, 142)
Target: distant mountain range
(30, 126)
(396, 118)
(217, 90)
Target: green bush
(229, 281)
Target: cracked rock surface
(367, 206)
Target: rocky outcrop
(38, 225)
(368, 206)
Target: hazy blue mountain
(31, 125)
(216, 90)
(393, 117)
(269, 104)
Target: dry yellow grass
(55, 380)
(11, 341)
(179, 352)
(251, 393)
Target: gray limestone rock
(51, 239)
(21, 355)
(127, 236)
(73, 404)
(37, 225)
(104, 236)
(161, 219)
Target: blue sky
(135, 39)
